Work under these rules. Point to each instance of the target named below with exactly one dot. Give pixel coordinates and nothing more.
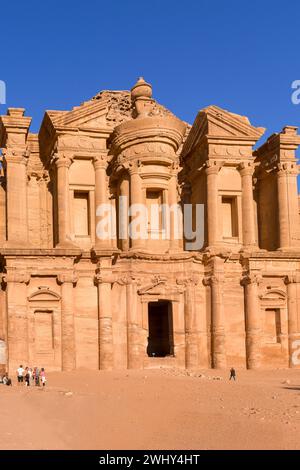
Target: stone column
(248, 218)
(16, 193)
(283, 207)
(68, 360)
(218, 338)
(101, 198)
(192, 359)
(252, 320)
(63, 162)
(175, 243)
(292, 282)
(134, 338)
(123, 213)
(17, 318)
(212, 170)
(104, 283)
(287, 204)
(137, 197)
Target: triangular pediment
(219, 123)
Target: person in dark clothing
(232, 374)
(7, 380)
(27, 377)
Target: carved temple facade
(71, 299)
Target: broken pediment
(215, 122)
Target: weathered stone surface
(71, 300)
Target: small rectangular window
(81, 213)
(229, 217)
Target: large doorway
(160, 321)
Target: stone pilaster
(68, 360)
(292, 282)
(17, 318)
(63, 161)
(252, 320)
(104, 283)
(246, 170)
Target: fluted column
(248, 216)
(137, 197)
(252, 320)
(17, 320)
(68, 351)
(212, 170)
(292, 282)
(218, 338)
(63, 162)
(104, 283)
(134, 338)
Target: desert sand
(154, 409)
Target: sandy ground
(154, 409)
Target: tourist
(6, 380)
(232, 374)
(20, 373)
(43, 376)
(27, 377)
(37, 376)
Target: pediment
(219, 123)
(43, 294)
(273, 295)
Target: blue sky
(239, 55)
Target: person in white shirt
(20, 373)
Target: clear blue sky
(239, 55)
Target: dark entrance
(160, 340)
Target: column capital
(16, 155)
(292, 278)
(68, 277)
(13, 276)
(62, 159)
(100, 160)
(287, 168)
(213, 280)
(246, 168)
(104, 278)
(251, 278)
(212, 167)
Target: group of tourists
(27, 376)
(31, 376)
